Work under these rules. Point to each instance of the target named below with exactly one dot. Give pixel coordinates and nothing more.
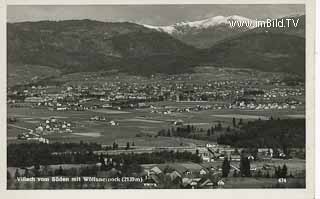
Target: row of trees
(35, 154)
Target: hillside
(261, 51)
(22, 74)
(85, 45)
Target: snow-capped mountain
(202, 24)
(204, 33)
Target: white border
(317, 98)
(222, 193)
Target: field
(135, 125)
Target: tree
(168, 133)
(259, 174)
(284, 171)
(225, 167)
(26, 173)
(60, 171)
(236, 151)
(103, 163)
(114, 145)
(219, 126)
(267, 174)
(245, 166)
(208, 133)
(235, 173)
(278, 172)
(16, 174)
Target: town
(195, 120)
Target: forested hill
(86, 45)
(283, 133)
(262, 51)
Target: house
(187, 172)
(206, 154)
(212, 168)
(205, 183)
(282, 155)
(39, 129)
(203, 172)
(178, 122)
(151, 181)
(142, 105)
(175, 177)
(62, 108)
(265, 153)
(106, 106)
(155, 170)
(113, 123)
(43, 140)
(190, 182)
(174, 174)
(250, 157)
(68, 130)
(220, 183)
(235, 157)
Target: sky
(147, 14)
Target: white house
(220, 183)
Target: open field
(135, 125)
(237, 116)
(106, 111)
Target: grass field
(132, 122)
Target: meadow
(135, 125)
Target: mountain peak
(201, 24)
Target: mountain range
(205, 33)
(86, 45)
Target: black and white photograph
(170, 96)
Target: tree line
(268, 133)
(35, 154)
